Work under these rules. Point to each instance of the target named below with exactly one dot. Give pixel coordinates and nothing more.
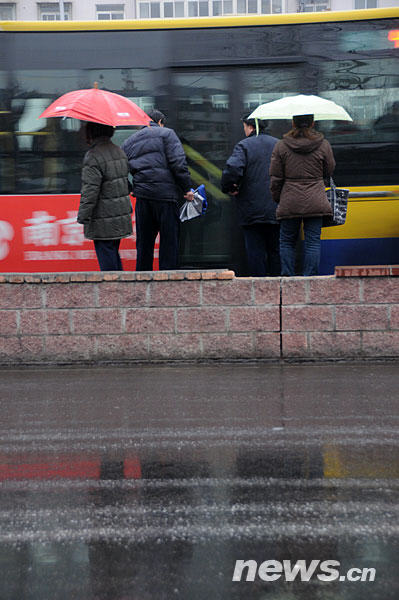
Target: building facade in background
(85, 10)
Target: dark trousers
(153, 217)
(288, 238)
(108, 255)
(262, 247)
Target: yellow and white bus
(204, 74)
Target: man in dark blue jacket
(160, 177)
(246, 176)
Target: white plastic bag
(193, 209)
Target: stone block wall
(137, 316)
(334, 317)
(70, 318)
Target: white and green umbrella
(291, 106)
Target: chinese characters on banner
(40, 234)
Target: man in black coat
(246, 176)
(160, 177)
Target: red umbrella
(97, 106)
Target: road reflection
(154, 489)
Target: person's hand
(189, 196)
(234, 191)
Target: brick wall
(58, 318)
(334, 317)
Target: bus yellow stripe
(197, 179)
(203, 22)
(202, 162)
(368, 217)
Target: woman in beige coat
(300, 162)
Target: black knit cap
(252, 122)
(303, 120)
(96, 130)
(156, 116)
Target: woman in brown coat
(299, 164)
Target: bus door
(209, 105)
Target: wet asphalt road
(150, 482)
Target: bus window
(269, 83)
(45, 155)
(7, 140)
(135, 84)
(203, 112)
(369, 91)
(387, 124)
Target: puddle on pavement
(153, 489)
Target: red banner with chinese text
(40, 234)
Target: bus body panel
(204, 74)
